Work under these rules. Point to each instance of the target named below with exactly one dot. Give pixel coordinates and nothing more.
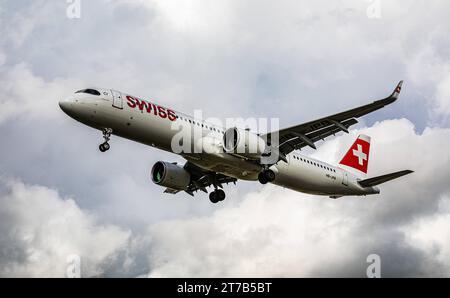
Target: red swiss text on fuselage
(136, 103)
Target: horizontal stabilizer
(383, 179)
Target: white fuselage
(154, 125)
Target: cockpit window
(89, 91)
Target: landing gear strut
(217, 196)
(106, 136)
(266, 176)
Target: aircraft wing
(201, 179)
(307, 134)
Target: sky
(292, 60)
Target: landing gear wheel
(270, 175)
(220, 194)
(104, 147)
(106, 136)
(213, 197)
(266, 176)
(217, 196)
(262, 178)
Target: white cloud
(431, 234)
(443, 96)
(23, 94)
(40, 230)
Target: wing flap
(295, 142)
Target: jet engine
(170, 175)
(243, 143)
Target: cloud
(431, 234)
(39, 230)
(443, 96)
(26, 95)
(20, 25)
(2, 58)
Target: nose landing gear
(266, 176)
(104, 147)
(217, 196)
(106, 136)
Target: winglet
(397, 90)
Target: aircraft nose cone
(63, 105)
(66, 105)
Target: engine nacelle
(243, 143)
(170, 175)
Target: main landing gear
(266, 176)
(106, 136)
(217, 196)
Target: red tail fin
(357, 156)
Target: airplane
(116, 113)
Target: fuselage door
(345, 179)
(117, 99)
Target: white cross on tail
(360, 154)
